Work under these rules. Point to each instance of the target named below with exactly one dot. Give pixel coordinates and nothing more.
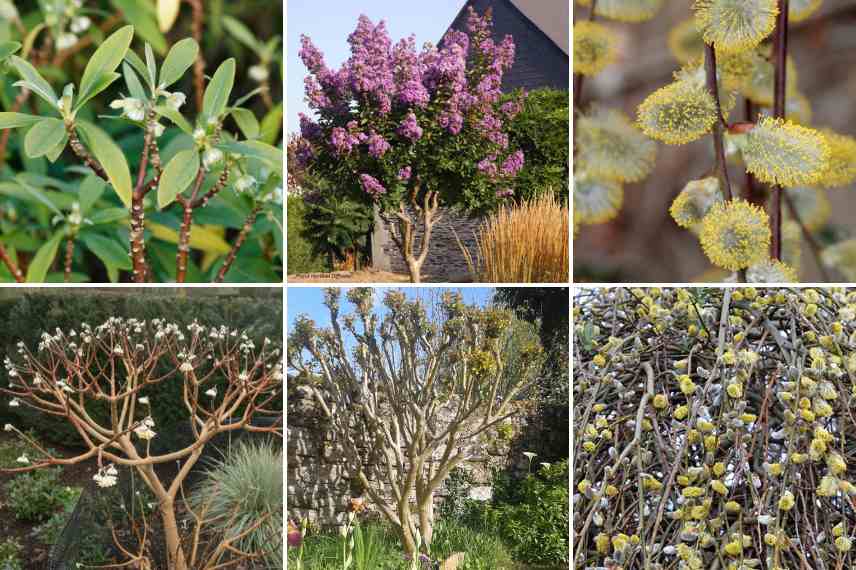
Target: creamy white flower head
(158, 130)
(118, 350)
(198, 135)
(259, 73)
(175, 100)
(244, 376)
(65, 41)
(211, 157)
(104, 479)
(14, 403)
(144, 432)
(529, 455)
(23, 460)
(545, 465)
(80, 24)
(75, 219)
(132, 108)
(13, 373)
(111, 470)
(186, 367)
(8, 427)
(211, 392)
(244, 183)
(144, 400)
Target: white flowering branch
(226, 382)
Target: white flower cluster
(144, 430)
(106, 476)
(62, 12)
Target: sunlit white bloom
(118, 350)
(259, 73)
(111, 470)
(158, 130)
(65, 41)
(211, 392)
(186, 367)
(144, 400)
(211, 157)
(144, 431)
(23, 460)
(529, 455)
(8, 427)
(80, 24)
(14, 403)
(546, 465)
(106, 477)
(75, 218)
(132, 108)
(244, 183)
(199, 135)
(243, 376)
(175, 100)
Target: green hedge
(23, 317)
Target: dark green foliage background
(303, 256)
(25, 315)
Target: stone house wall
(319, 488)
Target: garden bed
(368, 276)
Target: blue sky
(330, 22)
(310, 300)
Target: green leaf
(217, 93)
(142, 16)
(55, 152)
(141, 68)
(167, 11)
(103, 82)
(271, 125)
(272, 156)
(179, 59)
(108, 216)
(176, 118)
(133, 82)
(106, 59)
(177, 175)
(15, 120)
(247, 121)
(43, 136)
(37, 193)
(44, 258)
(111, 158)
(151, 66)
(201, 238)
(91, 189)
(33, 80)
(242, 33)
(8, 48)
(112, 255)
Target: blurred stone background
(643, 244)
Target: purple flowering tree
(409, 131)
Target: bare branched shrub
(714, 428)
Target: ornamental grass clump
(103, 380)
(134, 191)
(731, 51)
(713, 428)
(525, 243)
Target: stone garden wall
(320, 490)
(446, 261)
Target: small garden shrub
(35, 496)
(525, 243)
(10, 552)
(241, 489)
(302, 254)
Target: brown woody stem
(10, 265)
(218, 186)
(780, 49)
(4, 138)
(198, 65)
(69, 256)
(245, 231)
(83, 154)
(187, 205)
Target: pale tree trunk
(175, 552)
(408, 539)
(426, 519)
(402, 230)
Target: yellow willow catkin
(842, 160)
(685, 42)
(626, 10)
(735, 235)
(596, 201)
(771, 271)
(678, 113)
(594, 47)
(609, 146)
(812, 206)
(799, 10)
(780, 152)
(695, 201)
(735, 25)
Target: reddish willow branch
(780, 49)
(245, 231)
(198, 65)
(10, 265)
(718, 145)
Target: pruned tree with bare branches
(102, 380)
(406, 392)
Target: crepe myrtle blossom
(405, 173)
(371, 185)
